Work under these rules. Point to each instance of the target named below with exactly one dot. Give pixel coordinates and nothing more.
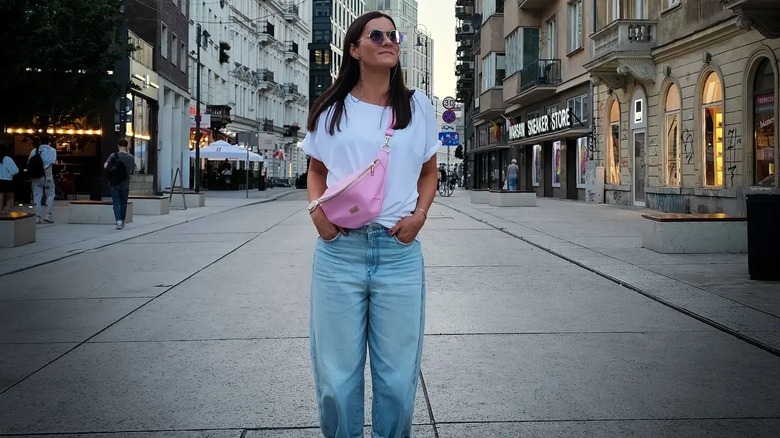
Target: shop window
(613, 150)
(672, 105)
(536, 170)
(712, 103)
(764, 120)
(578, 106)
(582, 161)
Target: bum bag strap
(390, 130)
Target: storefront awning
(573, 133)
(490, 148)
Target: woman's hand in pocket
(325, 228)
(407, 228)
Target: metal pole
(123, 71)
(246, 172)
(197, 111)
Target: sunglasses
(378, 37)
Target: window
(522, 48)
(491, 7)
(382, 5)
(551, 40)
(613, 151)
(322, 57)
(321, 36)
(672, 105)
(712, 103)
(613, 12)
(575, 25)
(493, 70)
(164, 40)
(672, 3)
(578, 106)
(764, 125)
(639, 10)
(536, 170)
(183, 55)
(174, 49)
(582, 161)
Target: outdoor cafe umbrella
(221, 150)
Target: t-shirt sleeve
(309, 145)
(432, 142)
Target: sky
(439, 17)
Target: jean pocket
(398, 241)
(330, 240)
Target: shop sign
(540, 125)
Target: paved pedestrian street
(546, 321)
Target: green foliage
(57, 55)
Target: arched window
(764, 118)
(712, 108)
(672, 104)
(613, 151)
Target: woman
(368, 288)
(7, 171)
(511, 175)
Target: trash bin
(763, 217)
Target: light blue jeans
(512, 182)
(368, 290)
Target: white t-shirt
(362, 134)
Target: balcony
(491, 104)
(290, 13)
(762, 15)
(220, 115)
(290, 92)
(622, 51)
(267, 125)
(267, 34)
(536, 81)
(532, 4)
(264, 78)
(291, 51)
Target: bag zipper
(362, 174)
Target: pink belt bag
(354, 201)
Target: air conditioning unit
(466, 28)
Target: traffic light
(459, 152)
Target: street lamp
(201, 34)
(422, 41)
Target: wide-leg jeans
(368, 291)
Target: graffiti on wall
(686, 138)
(733, 139)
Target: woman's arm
(315, 187)
(408, 227)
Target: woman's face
(375, 54)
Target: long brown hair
(348, 77)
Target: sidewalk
(201, 329)
(607, 240)
(61, 239)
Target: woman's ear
(354, 51)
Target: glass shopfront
(764, 129)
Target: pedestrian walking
(512, 171)
(39, 171)
(7, 171)
(368, 288)
(119, 166)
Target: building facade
(531, 98)
(686, 101)
(166, 25)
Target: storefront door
(640, 170)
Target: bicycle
(447, 186)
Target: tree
(57, 58)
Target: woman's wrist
(425, 213)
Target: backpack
(35, 165)
(115, 171)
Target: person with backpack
(39, 171)
(119, 166)
(7, 171)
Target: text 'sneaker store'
(551, 143)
